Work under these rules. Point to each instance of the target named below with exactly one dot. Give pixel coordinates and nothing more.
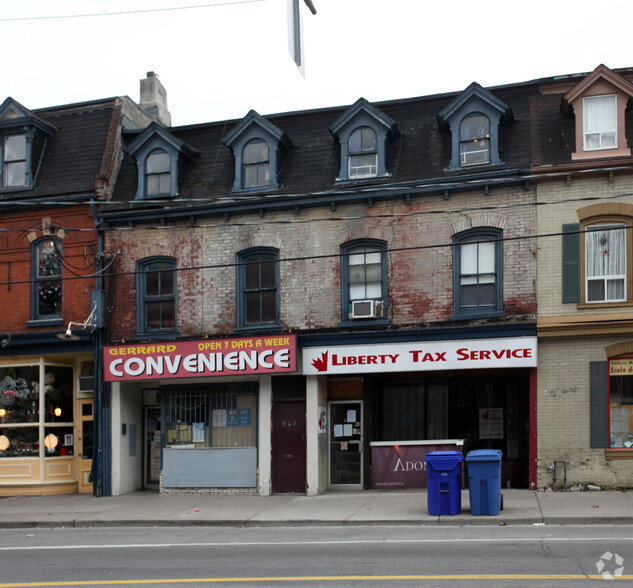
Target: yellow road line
(322, 578)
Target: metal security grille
(222, 416)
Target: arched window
(255, 164)
(477, 266)
(158, 173)
(156, 295)
(474, 140)
(364, 280)
(363, 153)
(258, 288)
(46, 293)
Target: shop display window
(621, 403)
(217, 416)
(19, 442)
(19, 395)
(34, 407)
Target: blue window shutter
(571, 263)
(598, 404)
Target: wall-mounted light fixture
(89, 325)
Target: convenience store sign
(516, 352)
(208, 357)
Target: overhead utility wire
(323, 256)
(122, 13)
(462, 210)
(369, 190)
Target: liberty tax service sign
(515, 352)
(208, 357)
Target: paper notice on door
(351, 416)
(347, 430)
(338, 430)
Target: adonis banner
(421, 356)
(186, 359)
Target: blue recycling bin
(444, 482)
(484, 481)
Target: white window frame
(605, 277)
(601, 133)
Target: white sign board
(515, 352)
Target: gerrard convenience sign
(208, 357)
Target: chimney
(154, 99)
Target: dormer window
(473, 120)
(363, 153)
(14, 159)
(600, 124)
(362, 131)
(474, 144)
(157, 172)
(255, 164)
(159, 156)
(256, 144)
(22, 143)
(598, 104)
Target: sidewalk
(369, 507)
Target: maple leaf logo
(320, 364)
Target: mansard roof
(76, 150)
(418, 154)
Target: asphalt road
(329, 556)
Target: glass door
(346, 443)
(85, 445)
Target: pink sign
(208, 357)
(401, 466)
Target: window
(32, 409)
(474, 143)
(157, 172)
(363, 153)
(477, 267)
(46, 293)
(364, 280)
(159, 156)
(258, 288)
(14, 161)
(362, 131)
(600, 122)
(257, 145)
(217, 416)
(255, 164)
(620, 403)
(473, 120)
(605, 263)
(156, 291)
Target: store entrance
(346, 443)
(151, 478)
(85, 445)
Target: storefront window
(19, 395)
(621, 402)
(19, 442)
(28, 402)
(218, 416)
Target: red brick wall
(15, 265)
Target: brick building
(58, 163)
(582, 132)
(316, 299)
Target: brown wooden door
(289, 447)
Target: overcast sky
(218, 62)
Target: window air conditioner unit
(363, 309)
(86, 383)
